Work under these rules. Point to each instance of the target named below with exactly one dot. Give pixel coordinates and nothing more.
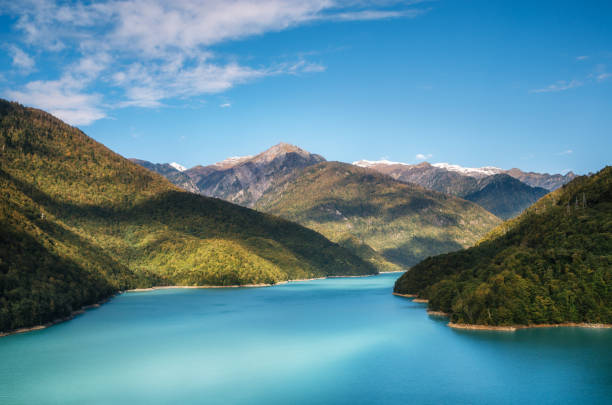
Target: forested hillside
(383, 220)
(552, 264)
(79, 222)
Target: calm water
(328, 341)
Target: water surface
(344, 340)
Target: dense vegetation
(387, 222)
(552, 264)
(79, 222)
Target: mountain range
(348, 204)
(505, 193)
(244, 180)
(79, 222)
(458, 180)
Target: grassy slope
(79, 222)
(552, 264)
(403, 223)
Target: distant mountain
(550, 182)
(171, 172)
(550, 265)
(242, 179)
(79, 223)
(402, 222)
(178, 166)
(504, 195)
(491, 187)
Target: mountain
(401, 222)
(504, 195)
(550, 182)
(550, 265)
(243, 180)
(79, 222)
(498, 189)
(171, 172)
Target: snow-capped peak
(470, 171)
(178, 167)
(370, 163)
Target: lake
(343, 340)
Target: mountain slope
(552, 264)
(402, 222)
(79, 222)
(550, 182)
(169, 171)
(504, 195)
(243, 180)
(495, 189)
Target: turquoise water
(327, 341)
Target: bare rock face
(243, 180)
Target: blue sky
(476, 83)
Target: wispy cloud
(225, 105)
(565, 152)
(603, 76)
(561, 85)
(22, 60)
(150, 51)
(423, 156)
(582, 57)
(63, 98)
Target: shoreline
(514, 328)
(405, 295)
(258, 285)
(504, 328)
(438, 313)
(72, 315)
(82, 310)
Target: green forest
(389, 223)
(550, 265)
(79, 223)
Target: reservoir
(333, 341)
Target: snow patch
(470, 171)
(178, 167)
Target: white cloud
(150, 51)
(582, 57)
(21, 59)
(561, 85)
(423, 156)
(375, 15)
(225, 105)
(62, 98)
(565, 152)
